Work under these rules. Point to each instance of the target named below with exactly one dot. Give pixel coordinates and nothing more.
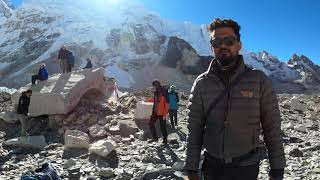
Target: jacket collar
(211, 72)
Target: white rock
(179, 165)
(131, 137)
(9, 117)
(290, 125)
(300, 128)
(28, 142)
(117, 138)
(102, 147)
(106, 172)
(62, 92)
(69, 163)
(97, 131)
(114, 129)
(76, 139)
(143, 110)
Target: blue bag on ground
(46, 172)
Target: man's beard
(224, 59)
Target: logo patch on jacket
(248, 94)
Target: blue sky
(281, 27)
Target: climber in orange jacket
(159, 111)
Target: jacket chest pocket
(245, 98)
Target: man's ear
(239, 45)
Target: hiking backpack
(71, 59)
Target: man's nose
(223, 45)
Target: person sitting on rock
(42, 74)
(23, 110)
(173, 101)
(89, 64)
(159, 111)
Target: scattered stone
(126, 158)
(74, 173)
(134, 156)
(289, 126)
(76, 139)
(296, 153)
(114, 130)
(69, 163)
(106, 172)
(127, 128)
(97, 131)
(301, 128)
(117, 138)
(295, 140)
(311, 148)
(38, 142)
(173, 141)
(9, 117)
(102, 147)
(93, 119)
(114, 122)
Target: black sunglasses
(229, 41)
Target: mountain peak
(304, 59)
(9, 4)
(5, 10)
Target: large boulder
(76, 139)
(62, 92)
(143, 110)
(142, 116)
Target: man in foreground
(227, 106)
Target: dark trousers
(173, 114)
(69, 68)
(163, 127)
(34, 78)
(218, 170)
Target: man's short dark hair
(29, 91)
(220, 23)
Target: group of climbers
(66, 60)
(164, 103)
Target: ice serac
(62, 92)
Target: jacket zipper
(226, 111)
(225, 121)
